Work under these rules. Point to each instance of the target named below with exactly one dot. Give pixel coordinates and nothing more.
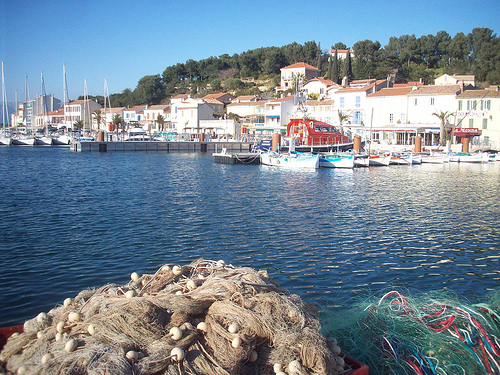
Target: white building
(480, 109)
(80, 110)
(250, 109)
(352, 100)
(186, 113)
(426, 100)
(320, 86)
(321, 110)
(278, 113)
(455, 79)
(134, 114)
(151, 114)
(31, 113)
(291, 72)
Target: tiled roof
(341, 51)
(181, 96)
(135, 109)
(213, 101)
(300, 65)
(435, 90)
(284, 99)
(392, 91)
(158, 107)
(326, 81)
(59, 111)
(319, 102)
(415, 83)
(216, 95)
(479, 94)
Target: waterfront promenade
(165, 146)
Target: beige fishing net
(203, 318)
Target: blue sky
(126, 40)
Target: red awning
(466, 132)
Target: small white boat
(23, 141)
(479, 157)
(290, 161)
(43, 141)
(334, 160)
(401, 159)
(379, 160)
(61, 140)
(435, 158)
(5, 141)
(416, 159)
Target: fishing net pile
(202, 318)
(424, 334)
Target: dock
(161, 146)
(225, 157)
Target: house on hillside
(342, 53)
(221, 97)
(455, 79)
(320, 86)
(290, 72)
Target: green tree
(443, 118)
(150, 90)
(347, 66)
(367, 59)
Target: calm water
(71, 221)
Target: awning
(466, 132)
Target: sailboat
(26, 139)
(45, 139)
(4, 135)
(63, 139)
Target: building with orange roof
(342, 53)
(290, 73)
(320, 86)
(224, 98)
(134, 114)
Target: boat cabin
(314, 133)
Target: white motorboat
(43, 141)
(435, 158)
(23, 141)
(290, 161)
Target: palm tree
(78, 124)
(443, 117)
(117, 121)
(160, 120)
(343, 116)
(98, 118)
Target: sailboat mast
(3, 99)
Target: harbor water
(72, 221)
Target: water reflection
(75, 220)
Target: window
(459, 105)
(391, 118)
(358, 101)
(471, 123)
(341, 102)
(432, 101)
(488, 105)
(485, 123)
(415, 101)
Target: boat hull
(336, 161)
(23, 141)
(43, 141)
(381, 160)
(290, 161)
(5, 141)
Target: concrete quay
(160, 146)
